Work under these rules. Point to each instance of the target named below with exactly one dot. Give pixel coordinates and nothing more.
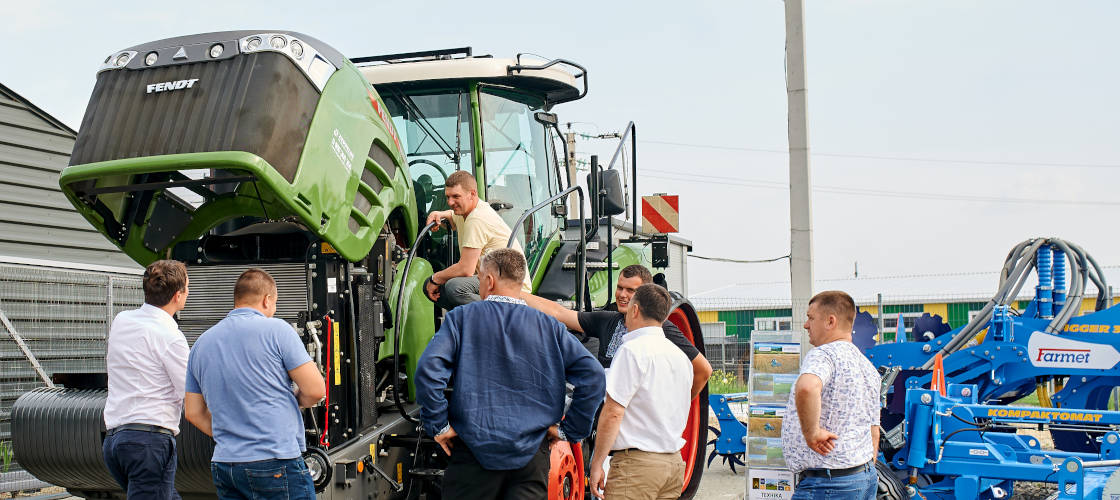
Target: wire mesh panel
(58, 321)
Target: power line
(994, 163)
(880, 193)
(738, 261)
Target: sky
(942, 133)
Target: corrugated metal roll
(57, 436)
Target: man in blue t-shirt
(239, 379)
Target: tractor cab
(455, 111)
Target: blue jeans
(143, 463)
(281, 479)
(861, 485)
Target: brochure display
(775, 362)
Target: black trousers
(465, 479)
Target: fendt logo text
(175, 85)
(1063, 355)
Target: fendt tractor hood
(184, 134)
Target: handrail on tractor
(525, 67)
(581, 266)
(631, 132)
(400, 321)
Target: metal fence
(56, 322)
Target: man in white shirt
(648, 396)
(146, 363)
(481, 231)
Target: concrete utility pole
(800, 200)
(573, 199)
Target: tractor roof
(557, 80)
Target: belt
(830, 473)
(626, 450)
(140, 427)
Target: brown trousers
(641, 475)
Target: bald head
(255, 288)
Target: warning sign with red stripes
(660, 214)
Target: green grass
(722, 382)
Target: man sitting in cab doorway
(481, 230)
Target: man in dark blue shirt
(507, 365)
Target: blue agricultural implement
(964, 443)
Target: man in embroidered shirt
(146, 361)
(830, 433)
(239, 390)
(507, 364)
(481, 231)
(607, 327)
(648, 396)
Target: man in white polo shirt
(146, 363)
(648, 396)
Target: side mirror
(612, 198)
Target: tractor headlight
(117, 60)
(216, 50)
(314, 65)
(151, 58)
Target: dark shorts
(280, 479)
(143, 463)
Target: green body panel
(343, 116)
(546, 257)
(274, 190)
(476, 131)
(623, 255)
(418, 313)
(348, 118)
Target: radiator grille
(211, 296)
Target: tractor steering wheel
(432, 164)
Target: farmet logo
(1063, 355)
(175, 85)
(1060, 351)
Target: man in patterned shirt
(833, 408)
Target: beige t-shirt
(484, 229)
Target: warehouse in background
(61, 282)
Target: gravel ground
(719, 483)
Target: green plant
(724, 382)
(5, 455)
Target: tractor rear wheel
(695, 435)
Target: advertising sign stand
(775, 362)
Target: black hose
(400, 324)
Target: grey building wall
(36, 220)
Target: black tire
(890, 487)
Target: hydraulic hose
(1016, 270)
(400, 324)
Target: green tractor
(245, 149)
